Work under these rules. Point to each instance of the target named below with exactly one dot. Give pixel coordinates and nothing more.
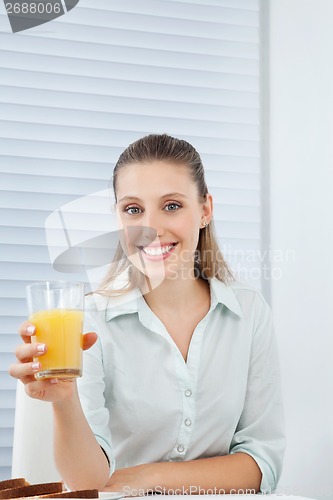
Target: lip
(163, 256)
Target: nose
(154, 221)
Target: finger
(37, 388)
(26, 331)
(24, 371)
(88, 340)
(40, 389)
(25, 352)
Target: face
(159, 208)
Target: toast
(31, 490)
(13, 483)
(68, 494)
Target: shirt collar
(124, 304)
(131, 302)
(224, 294)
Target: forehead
(154, 179)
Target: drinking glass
(56, 310)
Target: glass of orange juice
(56, 310)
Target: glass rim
(55, 282)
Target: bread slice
(68, 494)
(13, 483)
(32, 490)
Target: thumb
(88, 340)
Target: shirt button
(188, 393)
(180, 448)
(188, 422)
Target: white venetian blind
(76, 91)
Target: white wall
(301, 183)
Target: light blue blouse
(145, 404)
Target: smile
(158, 252)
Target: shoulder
(106, 310)
(251, 301)
(247, 293)
(95, 308)
(256, 309)
(95, 302)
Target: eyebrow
(169, 195)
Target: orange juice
(61, 331)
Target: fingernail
(40, 348)
(35, 366)
(53, 381)
(31, 329)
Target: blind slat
(15, 115)
(5, 472)
(132, 72)
(7, 397)
(178, 53)
(6, 358)
(6, 437)
(10, 341)
(7, 419)
(87, 88)
(126, 106)
(86, 170)
(199, 10)
(5, 457)
(91, 152)
(231, 146)
(9, 326)
(170, 24)
(92, 87)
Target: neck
(178, 295)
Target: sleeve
(261, 431)
(91, 387)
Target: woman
(181, 390)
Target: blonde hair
(209, 261)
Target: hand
(133, 481)
(24, 370)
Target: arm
(226, 473)
(216, 475)
(79, 458)
(260, 431)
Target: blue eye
(174, 206)
(127, 210)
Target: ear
(207, 208)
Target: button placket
(185, 431)
(187, 376)
(184, 435)
(188, 397)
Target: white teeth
(157, 250)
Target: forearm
(225, 473)
(79, 458)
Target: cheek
(125, 235)
(120, 220)
(122, 235)
(187, 229)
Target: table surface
(224, 497)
